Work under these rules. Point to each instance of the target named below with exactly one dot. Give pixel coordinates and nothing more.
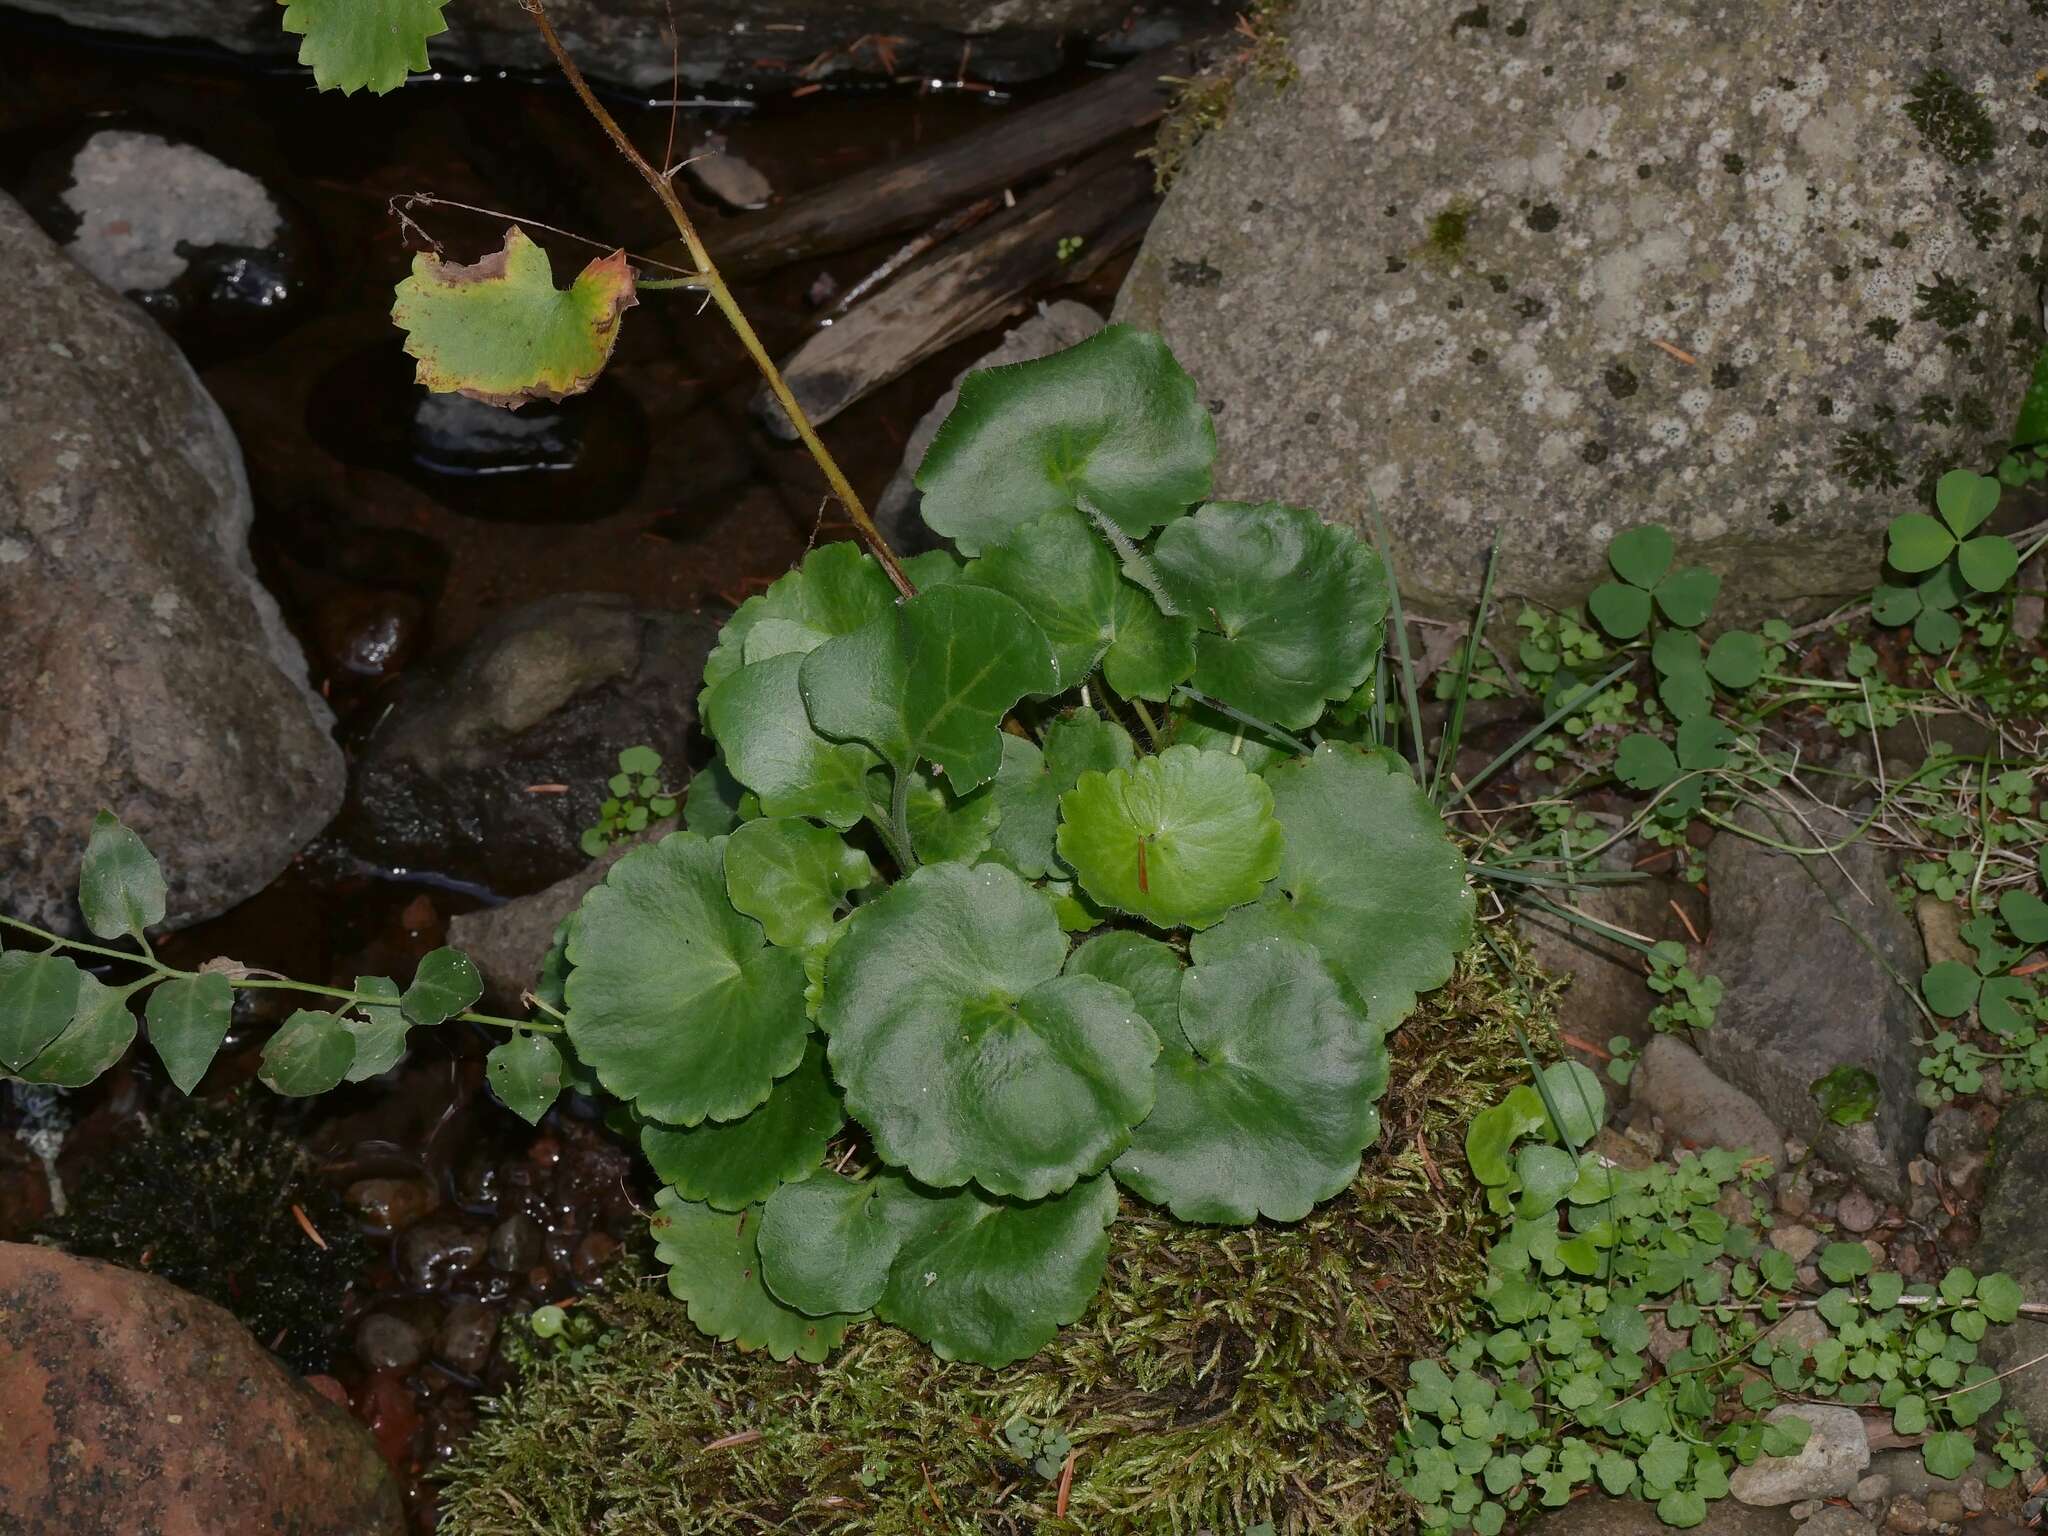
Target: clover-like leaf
(1111, 424)
(931, 681)
(379, 1028)
(1620, 609)
(188, 1017)
(1266, 1094)
(120, 886)
(352, 45)
(1843, 1262)
(1916, 542)
(98, 1032)
(526, 1074)
(38, 997)
(1643, 762)
(757, 714)
(1686, 597)
(1368, 879)
(309, 1054)
(500, 331)
(677, 1002)
(1546, 1174)
(1937, 632)
(792, 877)
(1178, 839)
(1703, 744)
(446, 982)
(1640, 556)
(1965, 500)
(715, 1268)
(1289, 611)
(1988, 562)
(734, 1163)
(2026, 915)
(1892, 606)
(1950, 988)
(1737, 658)
(964, 1051)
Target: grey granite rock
(1453, 267)
(142, 665)
(2013, 1228)
(1698, 1108)
(1830, 1463)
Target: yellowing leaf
(500, 331)
(353, 44)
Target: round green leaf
(1059, 571)
(1703, 743)
(1151, 653)
(1688, 695)
(99, 1031)
(835, 591)
(1948, 1453)
(1843, 1262)
(2026, 915)
(945, 826)
(1147, 969)
(526, 1074)
(1494, 1131)
(1546, 1174)
(2005, 1004)
(962, 1049)
(500, 331)
(1574, 1092)
(379, 1028)
(1266, 1095)
(715, 801)
(990, 1281)
(792, 877)
(1687, 596)
(1368, 879)
(351, 45)
(1112, 424)
(1936, 631)
(1965, 500)
(1642, 762)
(1622, 610)
(446, 982)
(733, 1163)
(120, 887)
(1988, 562)
(1029, 785)
(2000, 1298)
(677, 1002)
(1641, 556)
(1737, 659)
(931, 681)
(757, 715)
(1950, 988)
(1916, 542)
(827, 1243)
(38, 997)
(310, 1053)
(715, 1269)
(188, 1018)
(1178, 839)
(1288, 611)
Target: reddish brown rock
(132, 1406)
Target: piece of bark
(967, 286)
(913, 191)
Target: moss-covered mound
(1221, 1378)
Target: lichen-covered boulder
(1756, 271)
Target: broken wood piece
(913, 191)
(965, 287)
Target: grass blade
(1454, 722)
(1386, 552)
(1515, 748)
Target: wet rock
(391, 1205)
(516, 1244)
(367, 632)
(1629, 1517)
(1832, 1460)
(2013, 1218)
(1833, 1520)
(142, 666)
(1488, 229)
(1697, 1107)
(727, 177)
(1053, 328)
(549, 694)
(434, 1252)
(132, 1406)
(1805, 994)
(594, 1255)
(1955, 1133)
(467, 1334)
(387, 1343)
(638, 43)
(509, 941)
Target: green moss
(1197, 1390)
(1448, 232)
(1203, 103)
(1951, 119)
(203, 1199)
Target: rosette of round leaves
(676, 1000)
(965, 1051)
(1111, 427)
(500, 331)
(1177, 839)
(983, 1280)
(1290, 613)
(1367, 880)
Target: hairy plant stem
(162, 972)
(713, 283)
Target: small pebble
(391, 1205)
(1794, 1202)
(1972, 1492)
(1908, 1516)
(1945, 1506)
(434, 1252)
(1870, 1492)
(1907, 1261)
(594, 1256)
(387, 1343)
(1857, 1213)
(467, 1334)
(1794, 1241)
(516, 1244)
